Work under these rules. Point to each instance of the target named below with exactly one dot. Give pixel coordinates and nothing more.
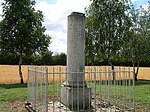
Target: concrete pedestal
(76, 97)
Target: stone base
(76, 98)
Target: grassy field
(142, 95)
(9, 73)
(12, 97)
(10, 94)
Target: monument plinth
(74, 92)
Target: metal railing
(37, 99)
(109, 90)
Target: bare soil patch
(14, 106)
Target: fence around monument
(110, 90)
(37, 98)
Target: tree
(63, 58)
(108, 22)
(136, 47)
(8, 58)
(60, 59)
(46, 58)
(21, 29)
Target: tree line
(47, 58)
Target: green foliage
(137, 44)
(107, 26)
(8, 58)
(60, 59)
(136, 47)
(21, 28)
(46, 58)
(117, 32)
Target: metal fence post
(133, 90)
(46, 90)
(95, 89)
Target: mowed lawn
(142, 95)
(10, 93)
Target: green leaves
(107, 26)
(115, 30)
(21, 27)
(138, 43)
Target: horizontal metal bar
(85, 72)
(39, 71)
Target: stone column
(74, 92)
(75, 48)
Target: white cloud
(1, 1)
(135, 0)
(145, 6)
(56, 20)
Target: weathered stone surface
(76, 98)
(74, 92)
(75, 47)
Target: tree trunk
(20, 71)
(113, 70)
(135, 77)
(136, 71)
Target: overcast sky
(55, 18)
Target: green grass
(12, 92)
(54, 89)
(142, 92)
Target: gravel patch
(56, 106)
